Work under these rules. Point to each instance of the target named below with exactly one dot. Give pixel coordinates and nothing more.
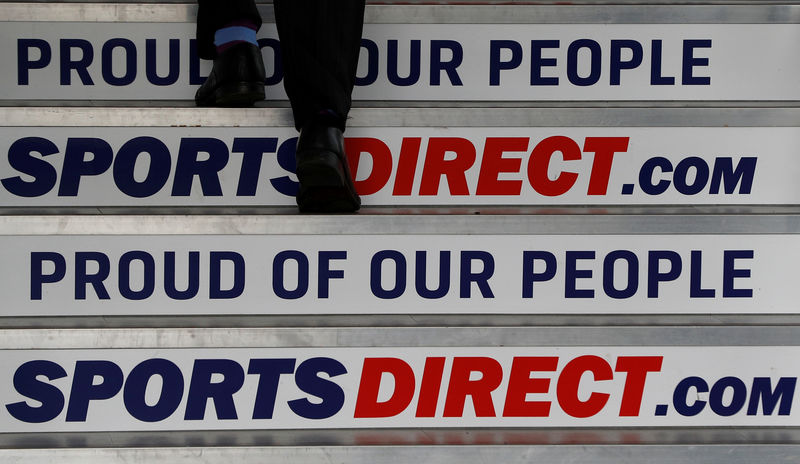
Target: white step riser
(691, 53)
(588, 156)
(738, 377)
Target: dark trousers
(320, 43)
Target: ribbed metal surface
(406, 116)
(366, 224)
(526, 13)
(434, 455)
(129, 338)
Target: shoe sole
(324, 187)
(239, 95)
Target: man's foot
(326, 185)
(236, 80)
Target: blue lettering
(421, 279)
(201, 388)
(737, 400)
(84, 390)
(20, 158)
(695, 286)
(277, 62)
(655, 66)
(730, 272)
(151, 62)
(24, 62)
(27, 383)
(481, 278)
(286, 160)
(376, 274)
(762, 393)
(269, 372)
(529, 259)
(646, 176)
(76, 165)
(278, 280)
(252, 150)
(215, 275)
(193, 280)
(81, 65)
(572, 274)
(617, 64)
(682, 175)
(450, 67)
(537, 62)
(83, 278)
(107, 62)
(595, 55)
(326, 273)
(308, 380)
(195, 78)
(690, 61)
(654, 274)
(632, 278)
(171, 390)
(681, 396)
(148, 275)
(38, 277)
(414, 64)
(372, 63)
(724, 172)
(189, 166)
(496, 48)
(160, 165)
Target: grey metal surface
(410, 437)
(358, 224)
(301, 322)
(479, 116)
(626, 12)
(654, 454)
(256, 337)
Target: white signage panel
(490, 62)
(363, 388)
(398, 274)
(135, 166)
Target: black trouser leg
(214, 14)
(320, 43)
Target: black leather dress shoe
(237, 78)
(326, 185)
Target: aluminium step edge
(630, 13)
(601, 454)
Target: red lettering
(637, 368)
(539, 165)
(407, 166)
(480, 390)
(493, 164)
(454, 170)
(569, 382)
(381, 163)
(429, 389)
(604, 149)
(367, 404)
(520, 384)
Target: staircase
(578, 241)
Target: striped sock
(235, 33)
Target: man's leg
(320, 43)
(226, 33)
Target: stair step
(404, 157)
(601, 454)
(601, 265)
(689, 52)
(663, 379)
